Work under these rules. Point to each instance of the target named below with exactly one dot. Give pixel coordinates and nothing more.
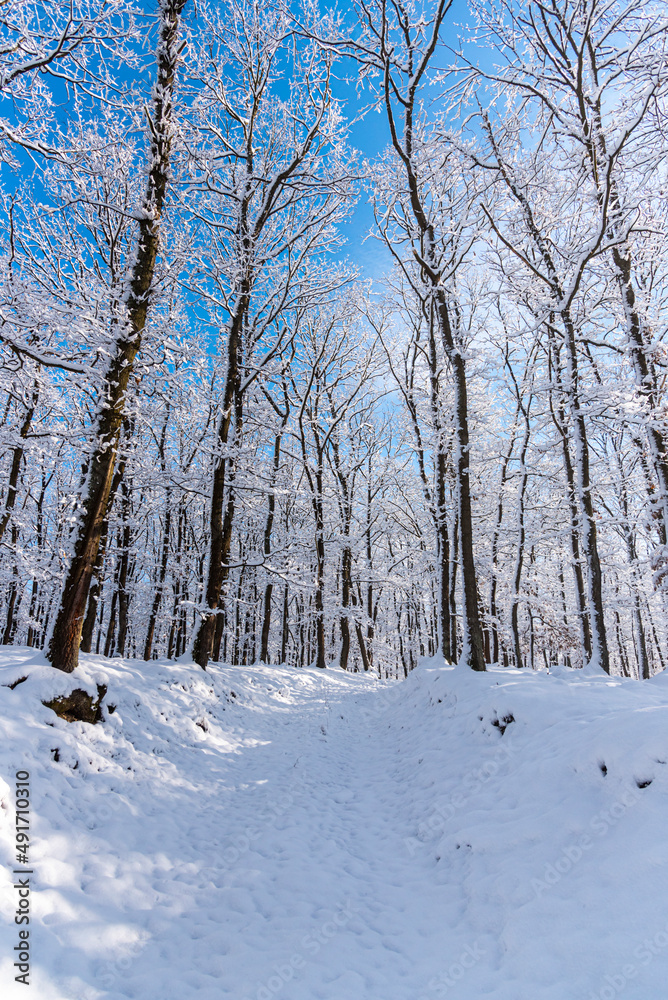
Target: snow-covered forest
(218, 432)
(223, 434)
(333, 336)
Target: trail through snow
(260, 832)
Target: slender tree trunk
(97, 578)
(519, 555)
(284, 631)
(599, 645)
(172, 643)
(161, 577)
(472, 644)
(441, 460)
(266, 623)
(125, 573)
(110, 644)
(268, 528)
(17, 461)
(657, 645)
(454, 563)
(10, 501)
(645, 379)
(631, 551)
(10, 623)
(559, 419)
(221, 514)
(321, 660)
(95, 591)
(35, 602)
(371, 610)
(422, 233)
(65, 640)
(493, 611)
(623, 658)
(346, 591)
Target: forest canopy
(231, 430)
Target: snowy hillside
(264, 832)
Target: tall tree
(272, 179)
(63, 649)
(398, 42)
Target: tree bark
(519, 557)
(268, 528)
(160, 581)
(17, 460)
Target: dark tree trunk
(161, 576)
(17, 461)
(10, 623)
(454, 563)
(268, 528)
(109, 645)
(441, 462)
(124, 574)
(34, 613)
(599, 645)
(640, 642)
(519, 557)
(320, 660)
(95, 591)
(10, 501)
(346, 594)
(98, 570)
(284, 631)
(221, 514)
(559, 419)
(172, 642)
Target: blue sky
(370, 136)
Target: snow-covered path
(309, 878)
(264, 850)
(258, 832)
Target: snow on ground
(263, 832)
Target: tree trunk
(454, 563)
(161, 576)
(559, 419)
(320, 660)
(17, 460)
(493, 611)
(269, 524)
(284, 630)
(220, 524)
(599, 645)
(440, 509)
(640, 642)
(519, 557)
(95, 591)
(346, 591)
(66, 637)
(124, 574)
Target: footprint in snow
(346, 795)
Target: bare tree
(398, 43)
(268, 199)
(66, 636)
